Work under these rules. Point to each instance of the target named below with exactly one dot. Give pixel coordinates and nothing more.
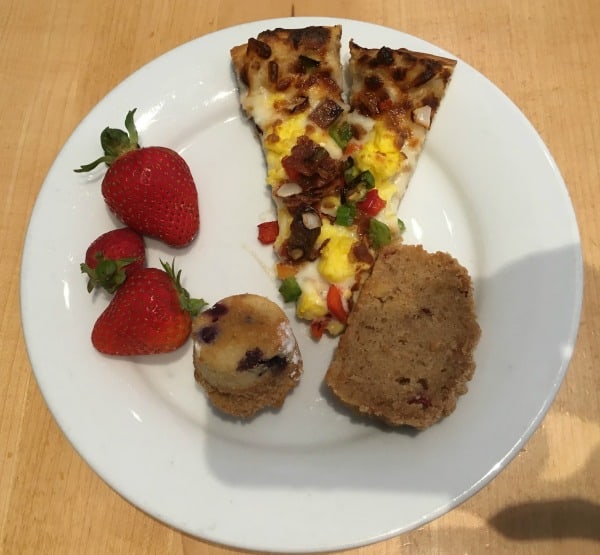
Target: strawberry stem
(108, 274)
(115, 142)
(186, 302)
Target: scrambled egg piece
(380, 156)
(334, 266)
(279, 142)
(334, 263)
(311, 304)
(284, 218)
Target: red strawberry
(150, 189)
(112, 257)
(150, 313)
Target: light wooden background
(59, 58)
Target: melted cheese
(377, 154)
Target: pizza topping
(335, 304)
(422, 116)
(311, 219)
(285, 270)
(342, 134)
(284, 84)
(288, 189)
(260, 48)
(314, 170)
(429, 71)
(373, 82)
(367, 103)
(326, 113)
(372, 204)
(385, 57)
(379, 233)
(345, 215)
(306, 64)
(317, 328)
(304, 232)
(356, 182)
(290, 290)
(268, 232)
(299, 104)
(362, 252)
(273, 71)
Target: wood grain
(60, 58)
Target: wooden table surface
(59, 58)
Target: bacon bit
(268, 232)
(292, 172)
(335, 304)
(326, 113)
(273, 71)
(286, 270)
(385, 105)
(260, 48)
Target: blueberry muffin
(246, 357)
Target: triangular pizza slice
(337, 170)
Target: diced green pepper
(401, 226)
(341, 134)
(345, 214)
(350, 171)
(379, 233)
(365, 178)
(290, 290)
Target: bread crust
(407, 353)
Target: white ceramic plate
(309, 477)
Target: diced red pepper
(317, 328)
(292, 172)
(268, 232)
(372, 204)
(335, 304)
(352, 148)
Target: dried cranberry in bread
(407, 352)
(245, 354)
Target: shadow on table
(567, 517)
(562, 518)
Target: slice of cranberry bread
(407, 353)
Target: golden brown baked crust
(391, 84)
(301, 66)
(407, 353)
(245, 354)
